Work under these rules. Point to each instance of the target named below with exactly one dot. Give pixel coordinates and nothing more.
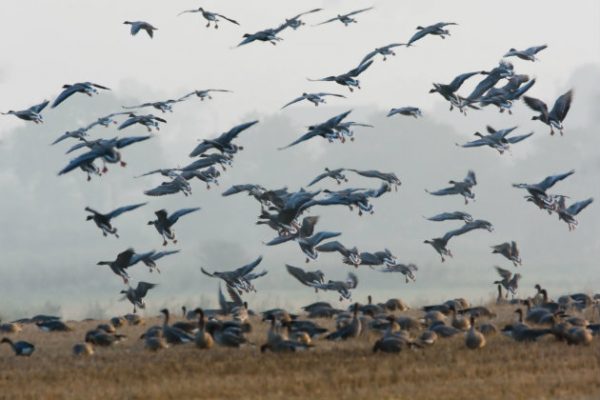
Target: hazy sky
(49, 250)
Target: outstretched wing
(126, 141)
(562, 105)
(351, 281)
(300, 275)
(142, 288)
(121, 210)
(456, 215)
(239, 188)
(163, 189)
(471, 178)
(180, 213)
(576, 208)
(460, 79)
(85, 158)
(518, 138)
(235, 131)
(550, 181)
(280, 239)
(307, 136)
(360, 69)
(246, 269)
(39, 107)
(369, 56)
(162, 254)
(359, 11)
(205, 272)
(504, 273)
(328, 21)
(333, 246)
(318, 178)
(65, 94)
(536, 105)
(297, 99)
(233, 21)
(235, 297)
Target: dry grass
(502, 370)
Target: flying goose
(555, 117)
(435, 29)
(344, 129)
(350, 197)
(448, 91)
(504, 70)
(223, 143)
(509, 281)
(119, 265)
(136, 296)
(497, 139)
(239, 278)
(538, 190)
(81, 133)
(177, 184)
(405, 269)
(568, 214)
(266, 35)
(336, 174)
(149, 259)
(164, 222)
(459, 187)
(348, 79)
(325, 129)
(384, 51)
(204, 93)
(350, 255)
(295, 22)
(136, 26)
(308, 278)
(388, 177)
(408, 111)
(210, 16)
(33, 113)
(206, 160)
(88, 88)
(102, 221)
(315, 98)
(20, 348)
(440, 244)
(528, 54)
(346, 19)
(164, 106)
(448, 216)
(508, 250)
(149, 121)
(505, 96)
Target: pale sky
(48, 44)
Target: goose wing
(360, 69)
(180, 213)
(562, 105)
(576, 208)
(121, 210)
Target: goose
(346, 19)
(509, 281)
(407, 270)
(568, 214)
(408, 111)
(579, 335)
(336, 174)
(474, 339)
(106, 150)
(267, 35)
(155, 342)
(315, 98)
(451, 216)
(324, 129)
(99, 337)
(108, 328)
(150, 121)
(223, 143)
(388, 177)
(189, 315)
(136, 296)
(210, 17)
(396, 305)
(371, 309)
(448, 91)
(164, 222)
(309, 328)
(359, 198)
(393, 344)
(149, 258)
(33, 113)
(440, 244)
(83, 350)
(204, 93)
(102, 221)
(173, 335)
(460, 322)
(53, 325)
(508, 250)
(11, 327)
(177, 184)
(503, 70)
(88, 88)
(203, 339)
(435, 29)
(21, 348)
(555, 117)
(384, 51)
(345, 129)
(227, 336)
(459, 187)
(350, 331)
(528, 54)
(497, 140)
(478, 311)
(119, 265)
(279, 342)
(134, 319)
(239, 278)
(428, 338)
(136, 26)
(538, 190)
(295, 22)
(350, 256)
(505, 96)
(521, 332)
(81, 133)
(348, 79)
(207, 160)
(163, 106)
(443, 330)
(308, 278)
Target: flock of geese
(282, 210)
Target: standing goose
(528, 54)
(164, 222)
(20, 348)
(136, 26)
(508, 250)
(349, 331)
(555, 117)
(88, 88)
(315, 98)
(210, 16)
(568, 214)
(459, 187)
(408, 111)
(32, 113)
(384, 51)
(349, 78)
(474, 339)
(102, 221)
(171, 334)
(346, 18)
(435, 29)
(136, 296)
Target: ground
(342, 370)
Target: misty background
(49, 252)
